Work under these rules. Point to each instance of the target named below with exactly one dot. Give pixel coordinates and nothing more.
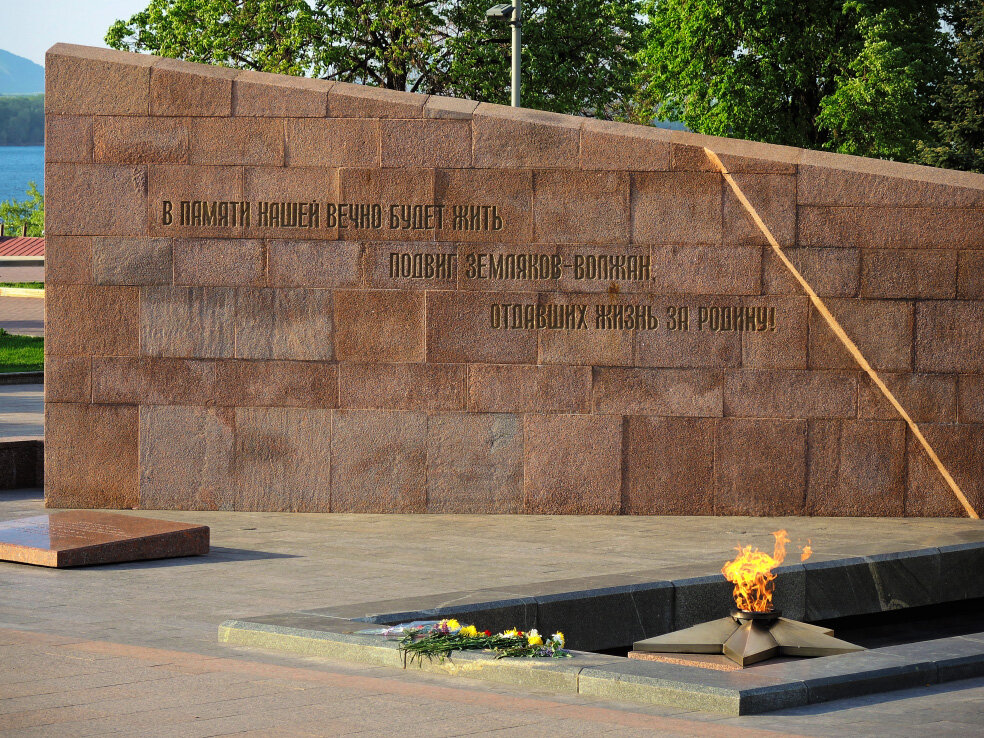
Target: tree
(958, 132)
(578, 55)
(21, 120)
(14, 213)
(854, 76)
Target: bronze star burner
(750, 637)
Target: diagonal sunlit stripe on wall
(839, 332)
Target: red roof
(22, 246)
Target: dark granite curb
(764, 689)
(21, 463)
(21, 378)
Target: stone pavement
(21, 411)
(132, 648)
(22, 315)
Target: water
(18, 166)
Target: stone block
(787, 346)
(970, 267)
(378, 462)
(890, 227)
(700, 599)
(840, 588)
(182, 88)
(499, 268)
(282, 459)
(249, 141)
(949, 337)
(760, 467)
(682, 344)
(365, 101)
(913, 273)
(187, 458)
(525, 139)
(68, 260)
(67, 379)
(959, 564)
(100, 471)
(410, 266)
(91, 321)
(774, 198)
(390, 188)
(510, 191)
(590, 345)
(425, 142)
(67, 138)
(634, 391)
(422, 387)
(669, 466)
(830, 272)
(460, 329)
(314, 264)
(475, 463)
(592, 611)
(187, 322)
(706, 270)
(276, 96)
(284, 324)
(142, 140)
(928, 398)
(70, 215)
(449, 108)
(970, 398)
(516, 388)
(752, 393)
(573, 464)
(332, 142)
(175, 183)
(278, 383)
(385, 326)
(581, 207)
(857, 468)
(80, 80)
(131, 261)
(266, 187)
(624, 147)
(738, 157)
(214, 262)
(826, 185)
(961, 450)
(881, 329)
(676, 207)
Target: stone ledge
(22, 378)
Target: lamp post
(513, 15)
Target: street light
(513, 15)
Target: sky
(31, 27)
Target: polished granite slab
(87, 537)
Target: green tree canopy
(14, 213)
(21, 120)
(958, 133)
(578, 55)
(855, 76)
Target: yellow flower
(452, 624)
(469, 630)
(535, 640)
(559, 637)
(512, 633)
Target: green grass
(20, 353)
(28, 285)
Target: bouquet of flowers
(442, 638)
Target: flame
(751, 572)
(807, 550)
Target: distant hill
(19, 76)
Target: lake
(18, 166)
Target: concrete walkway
(132, 648)
(21, 411)
(22, 315)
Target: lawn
(27, 285)
(20, 353)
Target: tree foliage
(957, 138)
(21, 120)
(855, 76)
(14, 213)
(578, 55)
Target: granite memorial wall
(273, 293)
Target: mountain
(19, 76)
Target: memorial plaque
(272, 293)
(87, 537)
